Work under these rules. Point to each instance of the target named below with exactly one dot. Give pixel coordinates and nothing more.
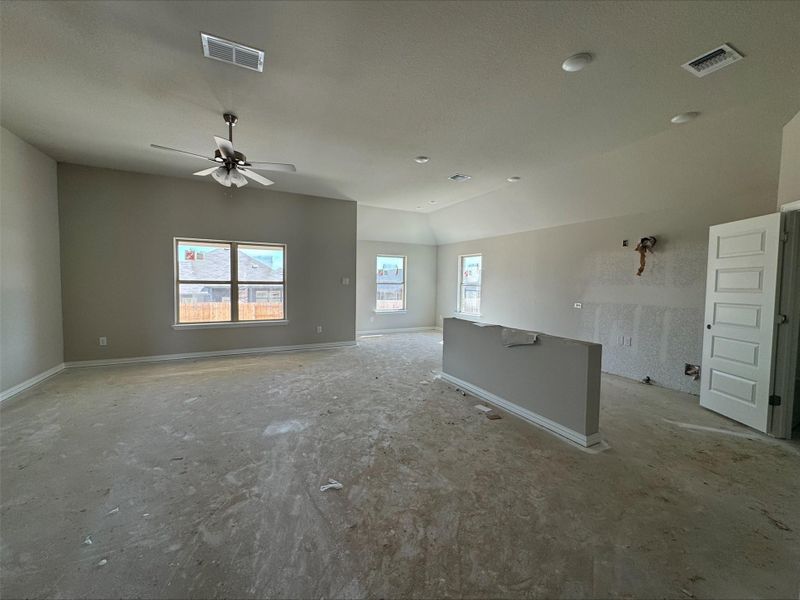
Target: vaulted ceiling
(352, 91)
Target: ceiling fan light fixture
(237, 178)
(222, 176)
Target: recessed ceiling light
(576, 62)
(421, 159)
(513, 179)
(431, 201)
(460, 177)
(684, 117)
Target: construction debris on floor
(438, 500)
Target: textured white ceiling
(352, 91)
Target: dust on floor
(216, 467)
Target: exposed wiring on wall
(644, 246)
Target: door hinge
(774, 400)
(784, 237)
(781, 319)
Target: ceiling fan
(231, 163)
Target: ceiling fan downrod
(231, 120)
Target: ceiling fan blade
(255, 176)
(181, 151)
(206, 171)
(225, 147)
(269, 166)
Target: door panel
(741, 286)
(735, 350)
(740, 280)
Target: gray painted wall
(117, 231)
(555, 378)
(532, 279)
(30, 285)
(420, 291)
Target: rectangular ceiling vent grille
(233, 53)
(717, 59)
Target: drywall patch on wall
(660, 338)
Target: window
(390, 277)
(206, 279)
(469, 284)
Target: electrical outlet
(345, 281)
(319, 328)
(628, 341)
(103, 341)
(625, 243)
(620, 340)
(578, 305)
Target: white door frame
(788, 334)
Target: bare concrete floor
(216, 464)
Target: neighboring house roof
(390, 276)
(215, 265)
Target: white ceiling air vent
(233, 53)
(716, 59)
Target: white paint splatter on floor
(285, 427)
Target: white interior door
(741, 289)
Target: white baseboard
(524, 413)
(29, 383)
(188, 355)
(398, 330)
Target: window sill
(463, 314)
(181, 326)
(390, 312)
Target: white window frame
(404, 284)
(233, 281)
(459, 306)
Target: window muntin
(469, 284)
(390, 283)
(207, 279)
